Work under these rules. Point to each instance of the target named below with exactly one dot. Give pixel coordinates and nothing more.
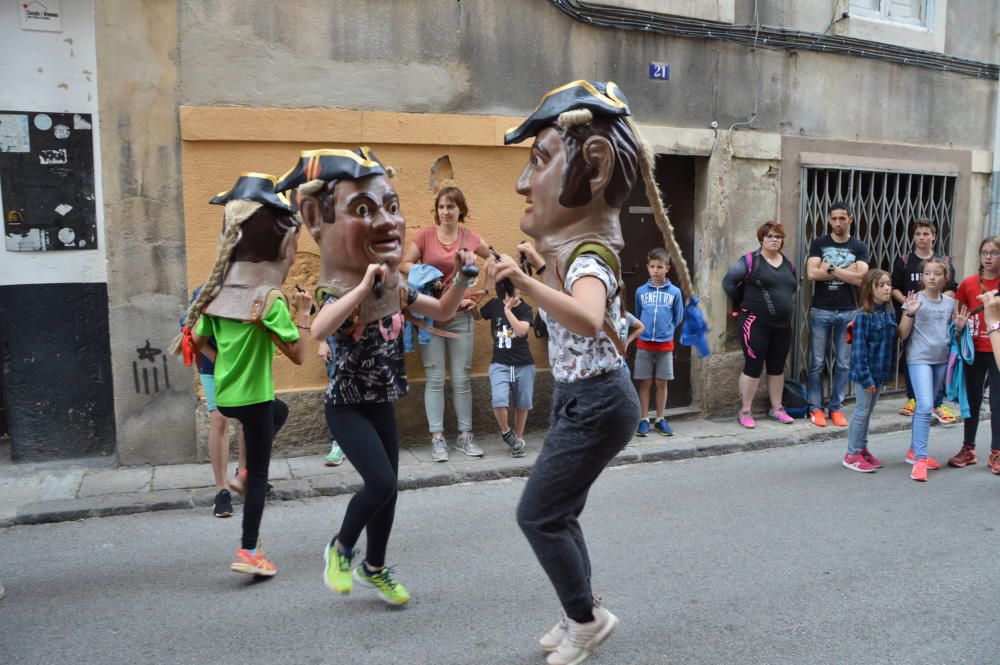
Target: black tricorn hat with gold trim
(600, 98)
(331, 164)
(257, 187)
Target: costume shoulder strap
(606, 254)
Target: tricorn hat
(257, 187)
(600, 98)
(331, 164)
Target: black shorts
(763, 344)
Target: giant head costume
(352, 212)
(256, 251)
(584, 161)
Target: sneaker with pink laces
(778, 413)
(746, 420)
(857, 463)
(871, 459)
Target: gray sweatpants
(591, 421)
(459, 354)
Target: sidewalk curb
(423, 476)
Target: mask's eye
(363, 210)
(394, 208)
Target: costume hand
(379, 269)
(507, 268)
(529, 251)
(912, 304)
(324, 352)
(961, 316)
(991, 307)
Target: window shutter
(870, 5)
(907, 11)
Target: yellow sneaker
(909, 408)
(944, 415)
(337, 570)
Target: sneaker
(252, 564)
(663, 427)
(919, 470)
(857, 463)
(643, 428)
(944, 415)
(817, 418)
(994, 461)
(932, 464)
(964, 457)
(909, 407)
(2, 592)
(337, 570)
(387, 586)
(336, 456)
(746, 420)
(223, 504)
(515, 443)
(522, 446)
(439, 449)
(466, 443)
(838, 418)
(551, 640)
(778, 413)
(871, 459)
(581, 639)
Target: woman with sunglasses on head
(762, 286)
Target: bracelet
(912, 316)
(539, 271)
(302, 327)
(992, 330)
(465, 283)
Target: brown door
(675, 177)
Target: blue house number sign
(659, 70)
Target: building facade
(756, 110)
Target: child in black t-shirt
(512, 371)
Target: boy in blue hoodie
(660, 307)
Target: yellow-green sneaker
(337, 570)
(385, 583)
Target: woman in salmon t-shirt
(436, 246)
(988, 279)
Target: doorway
(675, 176)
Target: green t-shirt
(243, 364)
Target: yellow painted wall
(221, 143)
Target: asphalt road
(773, 557)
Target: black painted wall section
(56, 363)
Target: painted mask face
(541, 182)
(367, 227)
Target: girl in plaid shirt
(872, 349)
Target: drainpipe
(994, 223)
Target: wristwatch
(830, 269)
(993, 327)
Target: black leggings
(367, 435)
(763, 343)
(261, 423)
(975, 381)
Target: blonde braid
(237, 212)
(646, 161)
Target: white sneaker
(582, 638)
(551, 640)
(467, 444)
(439, 449)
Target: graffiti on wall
(47, 181)
(146, 370)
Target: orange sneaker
(994, 461)
(838, 418)
(818, 419)
(932, 464)
(919, 470)
(964, 457)
(252, 564)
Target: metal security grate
(885, 204)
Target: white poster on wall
(40, 15)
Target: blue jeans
(926, 380)
(828, 326)
(857, 429)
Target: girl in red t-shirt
(984, 364)
(437, 246)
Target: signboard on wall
(41, 15)
(47, 181)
